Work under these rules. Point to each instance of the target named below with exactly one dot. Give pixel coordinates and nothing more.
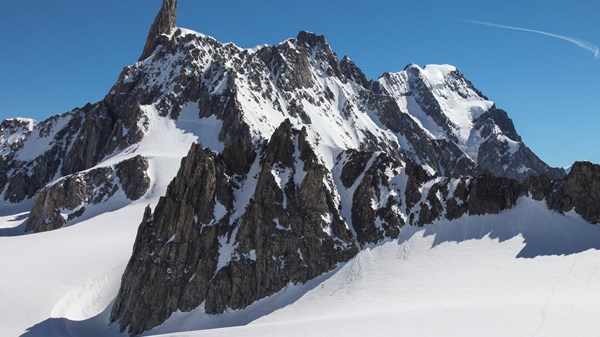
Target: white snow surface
(525, 272)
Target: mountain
(431, 116)
(267, 167)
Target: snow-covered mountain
(293, 164)
(219, 94)
(432, 116)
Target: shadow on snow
(544, 232)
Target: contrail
(579, 43)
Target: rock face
(579, 191)
(67, 199)
(164, 22)
(177, 249)
(133, 177)
(205, 242)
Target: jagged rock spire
(165, 21)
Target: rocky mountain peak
(352, 72)
(164, 22)
(311, 39)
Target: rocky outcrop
(67, 199)
(291, 231)
(164, 22)
(177, 247)
(387, 194)
(579, 191)
(490, 195)
(133, 177)
(202, 244)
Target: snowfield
(525, 272)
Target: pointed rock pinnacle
(165, 21)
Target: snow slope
(493, 275)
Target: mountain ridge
(425, 148)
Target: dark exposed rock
(457, 78)
(177, 248)
(31, 177)
(498, 117)
(95, 133)
(97, 130)
(426, 100)
(133, 178)
(355, 165)
(16, 130)
(432, 209)
(456, 204)
(373, 224)
(416, 177)
(66, 194)
(490, 195)
(164, 22)
(319, 48)
(352, 72)
(290, 231)
(579, 190)
(66, 200)
(428, 198)
(538, 187)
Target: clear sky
(56, 55)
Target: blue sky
(60, 54)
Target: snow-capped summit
(451, 111)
